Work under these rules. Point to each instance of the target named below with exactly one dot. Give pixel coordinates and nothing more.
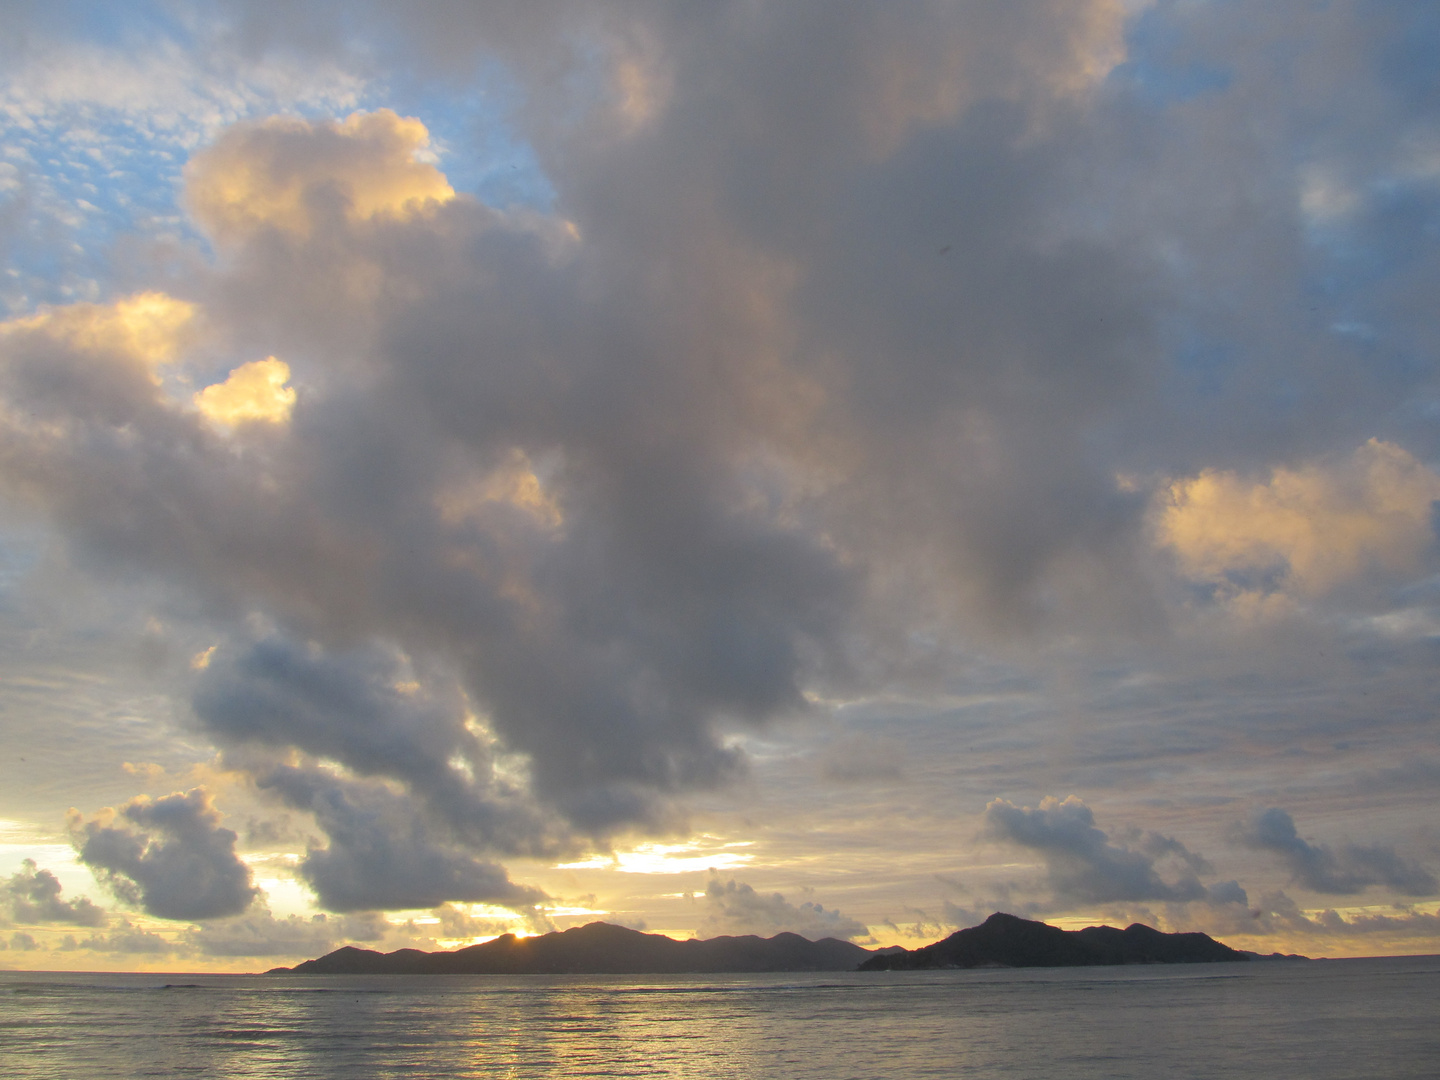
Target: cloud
(71, 371)
(457, 924)
(149, 328)
(619, 512)
(285, 173)
(383, 853)
(161, 88)
(861, 759)
(1303, 530)
(1320, 868)
(254, 391)
(170, 856)
(259, 933)
(125, 939)
(734, 908)
(33, 896)
(363, 708)
(1084, 865)
(822, 367)
(1397, 930)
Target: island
(1008, 941)
(598, 949)
(605, 949)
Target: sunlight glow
(668, 858)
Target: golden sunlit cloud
(254, 392)
(1309, 528)
(284, 172)
(150, 327)
(515, 483)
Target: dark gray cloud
(169, 856)
(733, 907)
(1345, 871)
(363, 708)
(383, 853)
(1085, 865)
(33, 896)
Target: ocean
(1377, 1018)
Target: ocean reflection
(1320, 1020)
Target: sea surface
(1273, 1020)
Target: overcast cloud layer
(889, 440)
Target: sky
(719, 469)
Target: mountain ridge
(598, 948)
(601, 948)
(1009, 941)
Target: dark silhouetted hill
(1009, 941)
(598, 949)
(604, 949)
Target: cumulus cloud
(150, 328)
(627, 510)
(1350, 869)
(1305, 530)
(33, 896)
(1085, 865)
(255, 391)
(382, 851)
(733, 907)
(169, 856)
(363, 708)
(71, 369)
(691, 543)
(285, 173)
